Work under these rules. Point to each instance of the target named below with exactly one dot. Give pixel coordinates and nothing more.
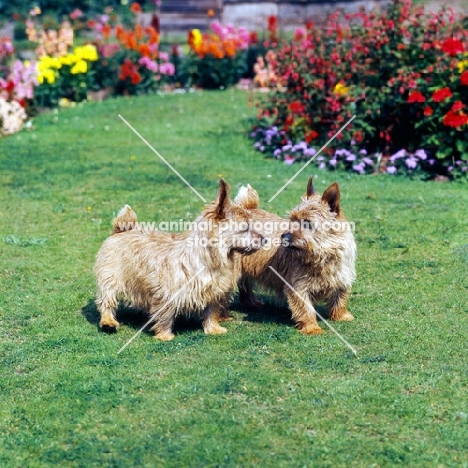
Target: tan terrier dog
(314, 251)
(168, 274)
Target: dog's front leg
(211, 324)
(337, 304)
(303, 312)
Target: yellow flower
(68, 59)
(46, 75)
(196, 37)
(89, 52)
(340, 89)
(462, 65)
(80, 67)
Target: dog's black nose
(286, 238)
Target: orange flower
(139, 32)
(136, 8)
(119, 31)
(144, 50)
(106, 30)
(210, 13)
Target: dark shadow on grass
(135, 318)
(271, 311)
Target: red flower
(416, 96)
(312, 135)
(296, 107)
(457, 105)
(428, 111)
(272, 23)
(129, 70)
(253, 37)
(453, 119)
(441, 94)
(452, 46)
(464, 78)
(136, 8)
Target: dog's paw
(346, 317)
(310, 330)
(215, 330)
(164, 336)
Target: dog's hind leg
(106, 306)
(337, 304)
(164, 323)
(247, 298)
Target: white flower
(12, 117)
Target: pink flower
(151, 65)
(75, 14)
(164, 56)
(167, 68)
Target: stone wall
(291, 14)
(181, 15)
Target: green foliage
(210, 72)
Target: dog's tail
(247, 197)
(125, 221)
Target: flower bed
(402, 73)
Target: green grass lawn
(262, 395)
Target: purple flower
(431, 161)
(363, 151)
(368, 161)
(309, 152)
(164, 56)
(450, 168)
(458, 162)
(391, 169)
(398, 155)
(322, 165)
(351, 157)
(333, 162)
(411, 162)
(421, 154)
(262, 149)
(464, 168)
(257, 144)
(359, 168)
(286, 147)
(277, 153)
(342, 152)
(320, 158)
(352, 142)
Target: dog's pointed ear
(222, 200)
(310, 187)
(332, 197)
